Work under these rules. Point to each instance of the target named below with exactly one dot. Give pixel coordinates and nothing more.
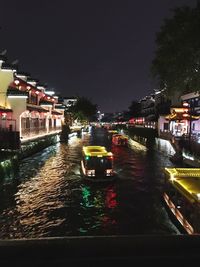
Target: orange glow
(186, 115)
(180, 110)
(185, 104)
(16, 82)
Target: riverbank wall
(149, 137)
(9, 159)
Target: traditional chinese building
(25, 106)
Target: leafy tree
(135, 109)
(84, 109)
(176, 64)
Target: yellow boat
(182, 197)
(97, 162)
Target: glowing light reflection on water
(49, 197)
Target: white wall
(197, 126)
(165, 146)
(161, 121)
(18, 105)
(6, 77)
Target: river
(48, 197)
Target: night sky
(98, 49)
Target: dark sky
(98, 49)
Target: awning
(31, 107)
(16, 92)
(6, 110)
(56, 112)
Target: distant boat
(120, 140)
(111, 132)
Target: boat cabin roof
(113, 131)
(186, 181)
(95, 151)
(120, 136)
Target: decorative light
(4, 115)
(16, 82)
(50, 92)
(180, 110)
(185, 104)
(186, 115)
(17, 96)
(7, 70)
(172, 177)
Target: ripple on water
(50, 197)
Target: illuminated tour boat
(182, 197)
(97, 162)
(111, 132)
(120, 140)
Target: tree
(84, 109)
(135, 109)
(176, 64)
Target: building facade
(25, 107)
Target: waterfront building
(183, 119)
(193, 100)
(25, 106)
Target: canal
(48, 197)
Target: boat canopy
(96, 151)
(186, 181)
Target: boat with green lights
(97, 163)
(182, 197)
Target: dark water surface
(49, 197)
